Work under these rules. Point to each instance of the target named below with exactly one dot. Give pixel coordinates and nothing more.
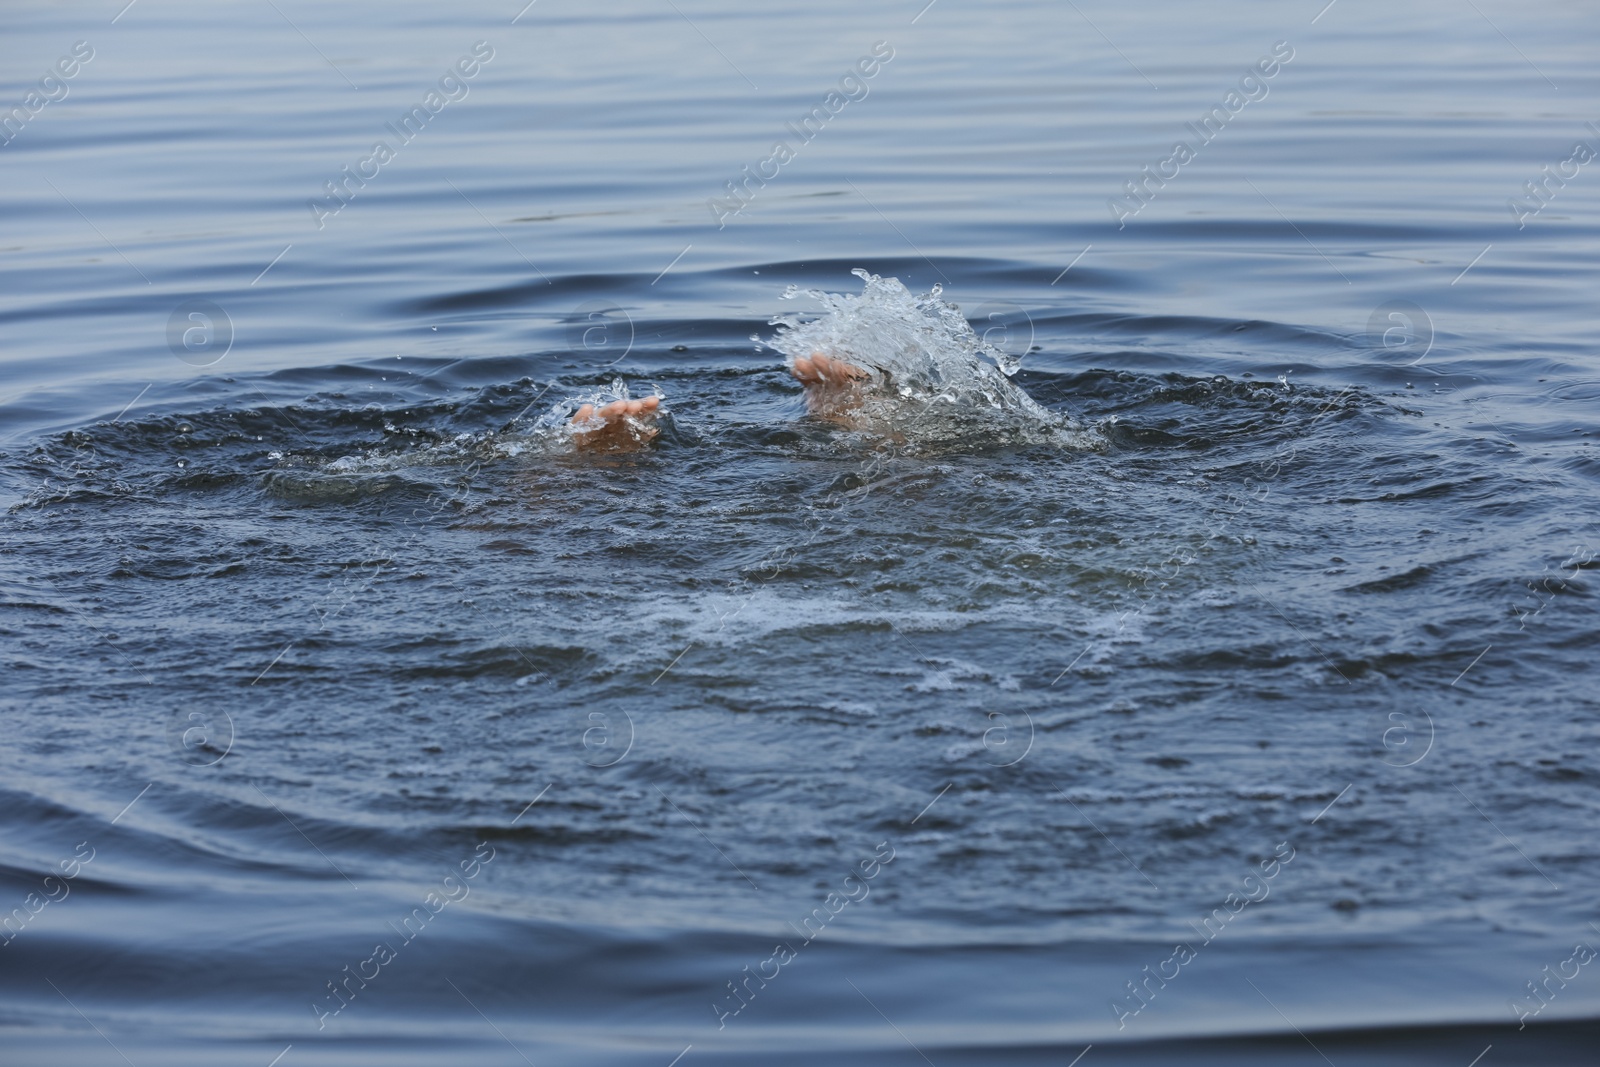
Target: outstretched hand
(624, 425)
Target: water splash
(425, 458)
(932, 378)
(555, 429)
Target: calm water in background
(1327, 589)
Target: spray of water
(933, 380)
(555, 429)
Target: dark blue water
(1240, 710)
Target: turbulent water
(1185, 656)
(932, 381)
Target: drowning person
(833, 390)
(887, 364)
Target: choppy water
(1254, 612)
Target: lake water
(1238, 707)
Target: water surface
(317, 639)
